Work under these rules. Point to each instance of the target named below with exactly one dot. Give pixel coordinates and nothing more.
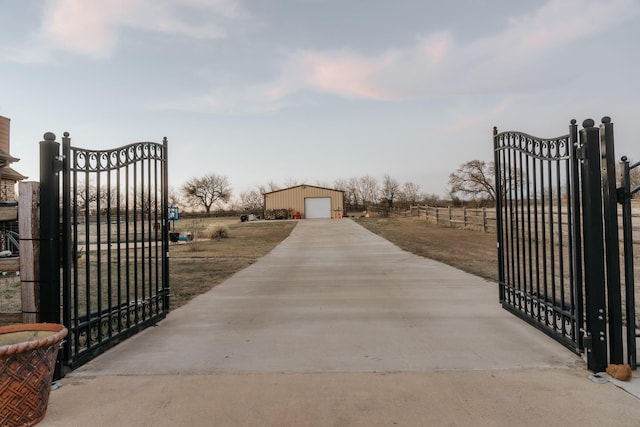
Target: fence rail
(485, 218)
(482, 219)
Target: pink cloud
(91, 27)
(341, 72)
(85, 27)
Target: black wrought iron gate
(558, 239)
(109, 240)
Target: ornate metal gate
(558, 245)
(114, 242)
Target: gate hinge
(587, 342)
(580, 152)
(59, 163)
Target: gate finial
(49, 136)
(588, 123)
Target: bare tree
(175, 198)
(390, 189)
(353, 185)
(252, 201)
(368, 190)
(87, 196)
(474, 179)
(271, 186)
(206, 190)
(410, 193)
(350, 196)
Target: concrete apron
(337, 326)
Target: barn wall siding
(292, 199)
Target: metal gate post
(49, 229)
(609, 191)
(595, 313)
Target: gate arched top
(96, 160)
(558, 148)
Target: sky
(312, 91)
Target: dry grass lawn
(198, 266)
(469, 250)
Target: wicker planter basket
(28, 355)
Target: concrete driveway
(339, 327)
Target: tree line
(473, 182)
(212, 191)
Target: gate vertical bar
(629, 281)
(576, 234)
(593, 248)
(49, 229)
(165, 224)
(499, 232)
(609, 191)
(66, 245)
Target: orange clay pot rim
(60, 332)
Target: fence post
(596, 322)
(29, 230)
(49, 229)
(449, 214)
(484, 219)
(609, 191)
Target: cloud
(85, 27)
(513, 58)
(435, 65)
(91, 28)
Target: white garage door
(317, 207)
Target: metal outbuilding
(304, 201)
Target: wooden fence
(27, 264)
(485, 218)
(480, 219)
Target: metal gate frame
(108, 238)
(625, 193)
(558, 244)
(533, 282)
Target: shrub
(219, 231)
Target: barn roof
(303, 185)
